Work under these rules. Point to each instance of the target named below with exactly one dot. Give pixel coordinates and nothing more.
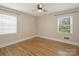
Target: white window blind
(8, 24)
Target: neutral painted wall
(47, 26)
(29, 26)
(26, 27)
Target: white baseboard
(20, 40)
(15, 41)
(65, 41)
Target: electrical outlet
(67, 38)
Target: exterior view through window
(65, 24)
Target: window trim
(71, 25)
(16, 26)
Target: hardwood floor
(37, 47)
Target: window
(8, 24)
(65, 24)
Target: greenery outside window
(65, 24)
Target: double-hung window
(8, 24)
(65, 24)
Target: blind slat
(8, 24)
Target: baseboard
(20, 40)
(65, 41)
(15, 41)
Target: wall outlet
(67, 38)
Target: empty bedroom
(39, 29)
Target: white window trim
(16, 26)
(71, 25)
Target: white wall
(47, 27)
(26, 27)
(29, 26)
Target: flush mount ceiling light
(40, 8)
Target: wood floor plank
(37, 47)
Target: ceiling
(51, 7)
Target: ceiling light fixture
(40, 8)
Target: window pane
(64, 24)
(8, 24)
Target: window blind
(8, 24)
